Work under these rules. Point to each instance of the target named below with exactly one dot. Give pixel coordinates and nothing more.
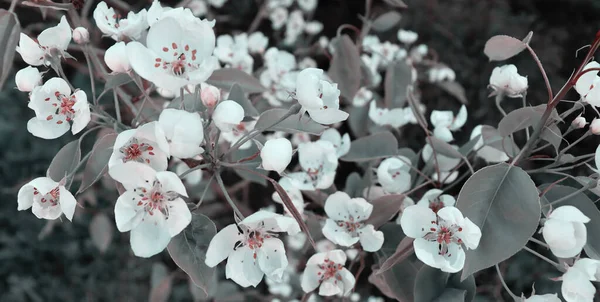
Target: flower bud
(407, 36)
(116, 58)
(81, 35)
(579, 122)
(595, 127)
(210, 95)
(228, 115)
(28, 78)
(276, 154)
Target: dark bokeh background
(64, 265)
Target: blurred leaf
(224, 78)
(65, 162)
(354, 185)
(116, 80)
(292, 124)
(502, 47)
(552, 135)
(159, 273)
(491, 137)
(10, 30)
(237, 95)
(101, 231)
(386, 21)
(455, 89)
(162, 291)
(188, 250)
(585, 205)
(384, 208)
(251, 158)
(374, 146)
(359, 120)
(403, 250)
(97, 164)
(414, 105)
(190, 103)
(443, 147)
(396, 3)
(468, 147)
(503, 202)
(398, 77)
(431, 284)
(345, 66)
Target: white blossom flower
(579, 122)
(436, 200)
(184, 132)
(340, 143)
(117, 59)
(28, 78)
(588, 85)
(228, 115)
(371, 43)
(444, 164)
(238, 133)
(394, 174)
(49, 41)
(271, 4)
(111, 24)
(257, 42)
(319, 163)
(362, 97)
(439, 238)
(198, 8)
(489, 154)
(327, 271)
(210, 95)
(299, 138)
(595, 126)
(441, 73)
(407, 36)
(319, 97)
(242, 61)
(307, 62)
(294, 27)
(283, 287)
(418, 53)
(151, 207)
(192, 178)
(146, 144)
(55, 107)
(277, 77)
(253, 248)
(576, 285)
(324, 245)
(345, 224)
(175, 56)
(81, 35)
(294, 193)
(395, 118)
(565, 232)
(276, 155)
(313, 27)
(228, 46)
(308, 5)
(278, 17)
(372, 63)
(444, 123)
(507, 81)
(47, 199)
(543, 298)
(217, 3)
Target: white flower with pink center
(294, 193)
(184, 132)
(445, 165)
(49, 41)
(174, 55)
(588, 85)
(318, 97)
(319, 162)
(444, 122)
(345, 225)
(238, 132)
(327, 271)
(436, 200)
(278, 76)
(47, 199)
(507, 81)
(113, 25)
(151, 208)
(146, 144)
(340, 143)
(394, 174)
(439, 238)
(396, 117)
(576, 285)
(55, 107)
(252, 248)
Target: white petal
(335, 206)
(30, 50)
(243, 268)
(272, 222)
(128, 213)
(67, 203)
(428, 253)
(337, 234)
(171, 182)
(179, 216)
(441, 119)
(276, 154)
(222, 244)
(43, 184)
(117, 59)
(331, 287)
(347, 280)
(470, 234)
(359, 209)
(227, 115)
(164, 33)
(337, 256)
(460, 119)
(310, 279)
(133, 174)
(82, 112)
(443, 133)
(576, 287)
(370, 239)
(150, 236)
(25, 197)
(271, 258)
(46, 129)
(308, 88)
(48, 212)
(416, 221)
(569, 213)
(327, 116)
(590, 266)
(454, 259)
(587, 79)
(58, 36)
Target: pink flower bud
(28, 78)
(579, 122)
(81, 35)
(210, 95)
(595, 127)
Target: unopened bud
(81, 35)
(28, 78)
(210, 95)
(116, 58)
(595, 127)
(579, 122)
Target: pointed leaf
(237, 95)
(552, 135)
(116, 80)
(101, 231)
(502, 47)
(10, 30)
(431, 285)
(398, 77)
(292, 124)
(384, 208)
(345, 66)
(396, 3)
(443, 147)
(97, 164)
(224, 78)
(386, 21)
(65, 162)
(455, 89)
(374, 146)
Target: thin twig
(229, 200)
(541, 257)
(512, 295)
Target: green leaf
(237, 95)
(432, 285)
(396, 3)
(502, 47)
(188, 250)
(224, 78)
(374, 146)
(10, 30)
(455, 89)
(398, 77)
(358, 120)
(292, 124)
(452, 295)
(384, 208)
(552, 135)
(250, 157)
(585, 205)
(354, 185)
(190, 103)
(491, 137)
(97, 164)
(65, 162)
(386, 21)
(443, 148)
(523, 118)
(468, 147)
(345, 66)
(115, 80)
(503, 202)
(101, 231)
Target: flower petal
(335, 205)
(179, 216)
(128, 213)
(150, 236)
(370, 239)
(222, 245)
(272, 259)
(171, 182)
(338, 234)
(46, 129)
(569, 213)
(67, 203)
(417, 220)
(243, 268)
(133, 174)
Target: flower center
(155, 198)
(135, 151)
(182, 60)
(50, 199)
(436, 205)
(64, 107)
(444, 235)
(351, 226)
(328, 270)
